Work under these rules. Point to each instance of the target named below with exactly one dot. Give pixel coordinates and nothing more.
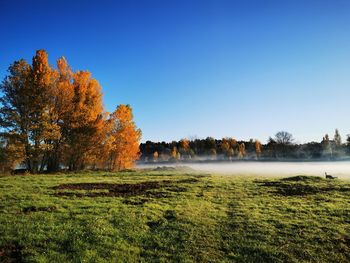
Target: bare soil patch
(124, 190)
(301, 186)
(30, 209)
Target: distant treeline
(279, 147)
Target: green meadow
(173, 216)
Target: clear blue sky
(244, 69)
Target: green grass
(209, 218)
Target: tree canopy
(52, 118)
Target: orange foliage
(174, 153)
(55, 117)
(258, 148)
(124, 146)
(155, 156)
(242, 152)
(185, 145)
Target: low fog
(340, 169)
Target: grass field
(173, 216)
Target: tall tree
(85, 123)
(15, 117)
(257, 148)
(27, 109)
(126, 136)
(327, 147)
(44, 129)
(225, 147)
(174, 153)
(337, 138)
(184, 147)
(242, 152)
(62, 94)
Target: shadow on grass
(167, 239)
(11, 253)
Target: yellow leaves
(185, 145)
(155, 156)
(60, 118)
(125, 139)
(241, 152)
(258, 148)
(87, 98)
(174, 152)
(42, 72)
(124, 113)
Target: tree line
(280, 147)
(54, 118)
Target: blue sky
(244, 69)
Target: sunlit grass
(211, 218)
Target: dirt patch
(135, 202)
(30, 209)
(187, 181)
(124, 190)
(301, 189)
(177, 189)
(303, 178)
(11, 253)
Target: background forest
(280, 147)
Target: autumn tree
(125, 139)
(51, 118)
(44, 128)
(174, 153)
(28, 110)
(155, 156)
(242, 152)
(10, 155)
(63, 107)
(15, 111)
(184, 147)
(85, 122)
(226, 147)
(257, 148)
(233, 145)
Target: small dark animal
(328, 176)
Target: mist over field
(340, 169)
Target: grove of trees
(53, 118)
